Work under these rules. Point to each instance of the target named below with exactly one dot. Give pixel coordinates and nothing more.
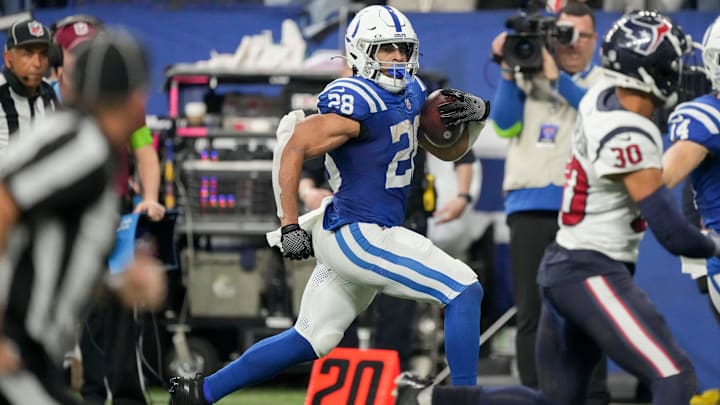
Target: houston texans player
(368, 131)
(693, 127)
(614, 184)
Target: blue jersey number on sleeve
(342, 102)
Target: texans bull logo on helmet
(643, 37)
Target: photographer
(535, 108)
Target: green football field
(265, 396)
(259, 396)
(250, 396)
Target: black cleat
(409, 386)
(187, 391)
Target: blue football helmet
(644, 51)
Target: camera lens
(524, 49)
(523, 52)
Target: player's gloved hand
(296, 243)
(465, 108)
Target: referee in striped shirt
(25, 95)
(58, 215)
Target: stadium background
(457, 44)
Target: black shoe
(409, 386)
(187, 391)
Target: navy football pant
(611, 314)
(531, 232)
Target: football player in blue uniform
(693, 128)
(367, 129)
(614, 189)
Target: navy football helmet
(644, 51)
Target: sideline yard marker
(348, 376)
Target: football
(432, 126)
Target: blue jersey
(699, 121)
(370, 175)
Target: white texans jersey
(597, 213)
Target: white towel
(306, 222)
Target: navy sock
(261, 361)
(462, 335)
(515, 395)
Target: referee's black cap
(109, 67)
(27, 32)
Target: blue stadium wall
(458, 45)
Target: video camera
(523, 48)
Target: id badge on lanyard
(547, 136)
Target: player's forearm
(671, 229)
(289, 181)
(149, 172)
(680, 159)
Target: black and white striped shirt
(60, 176)
(17, 110)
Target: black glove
(296, 243)
(465, 108)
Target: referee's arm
(9, 213)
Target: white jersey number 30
(575, 193)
